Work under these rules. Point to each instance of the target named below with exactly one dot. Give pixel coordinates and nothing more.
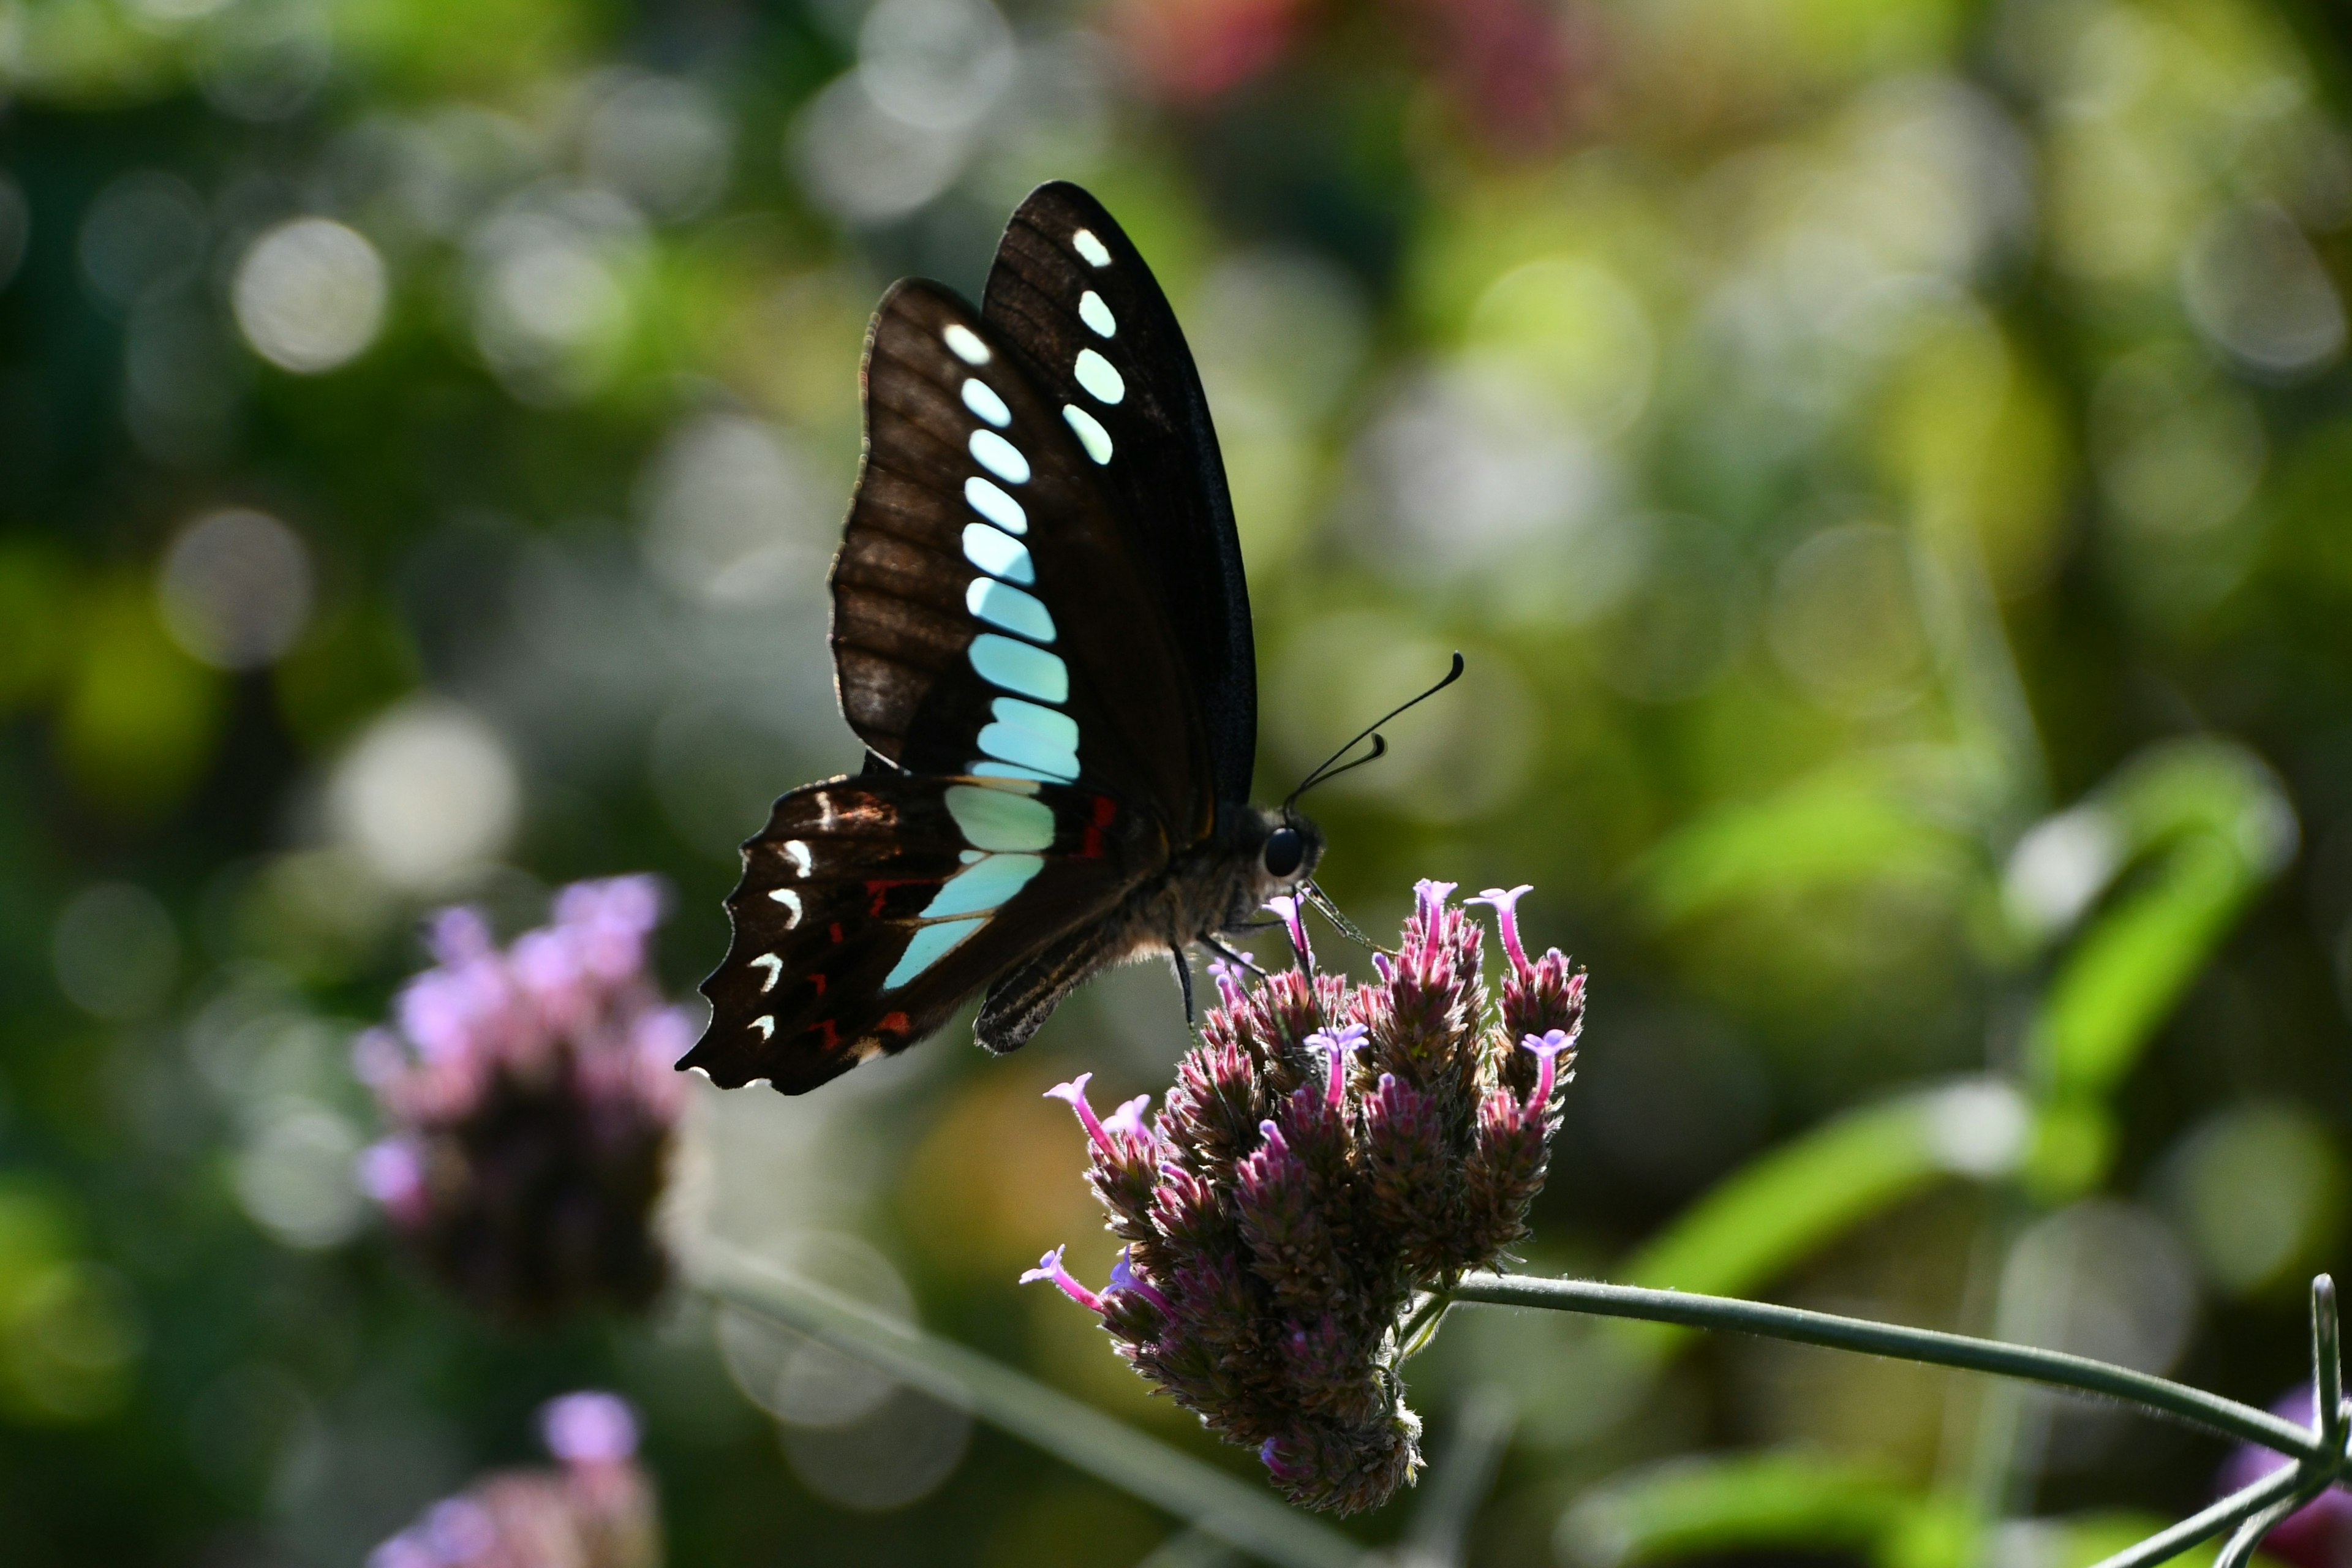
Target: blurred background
(1884, 461)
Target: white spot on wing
(1097, 315)
(791, 902)
(1000, 456)
(981, 399)
(995, 505)
(766, 1025)
(1091, 434)
(1097, 253)
(797, 850)
(773, 964)
(965, 344)
(1099, 377)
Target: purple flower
(530, 1106)
(1049, 1269)
(1075, 1092)
(589, 1428)
(1546, 1050)
(1327, 1154)
(596, 1512)
(1504, 901)
(1338, 1047)
(1292, 910)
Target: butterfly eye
(1285, 849)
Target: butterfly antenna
(1330, 912)
(1325, 771)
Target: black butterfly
(1042, 633)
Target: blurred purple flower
(2319, 1533)
(530, 1102)
(596, 1512)
(1328, 1152)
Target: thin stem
(2328, 1363)
(1214, 1503)
(1413, 1333)
(2239, 1549)
(2054, 1367)
(2200, 1527)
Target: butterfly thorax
(1220, 885)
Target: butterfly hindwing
(989, 613)
(872, 907)
(1075, 297)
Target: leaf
(1689, 1507)
(1844, 827)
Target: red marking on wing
(1090, 845)
(836, 930)
(817, 980)
(893, 1023)
(830, 1030)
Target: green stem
(1214, 1503)
(1936, 1348)
(2169, 1544)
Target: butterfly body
(1041, 632)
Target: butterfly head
(1282, 847)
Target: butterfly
(1041, 632)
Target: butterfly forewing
(866, 913)
(1000, 649)
(989, 613)
(1075, 297)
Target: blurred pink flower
(596, 1512)
(1191, 50)
(530, 1100)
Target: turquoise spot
(1002, 604)
(989, 768)
(1097, 253)
(981, 399)
(1000, 456)
(1099, 377)
(1090, 433)
(1055, 727)
(931, 943)
(978, 888)
(995, 505)
(995, 817)
(1028, 749)
(1020, 666)
(1097, 315)
(993, 551)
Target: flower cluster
(1329, 1152)
(531, 1099)
(596, 1512)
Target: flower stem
(1214, 1503)
(2054, 1367)
(2199, 1527)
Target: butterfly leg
(1185, 983)
(1238, 960)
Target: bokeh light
(236, 588)
(426, 794)
(116, 951)
(309, 295)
